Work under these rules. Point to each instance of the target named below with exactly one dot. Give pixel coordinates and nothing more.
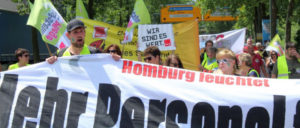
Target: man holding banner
(76, 34)
(288, 65)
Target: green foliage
(245, 9)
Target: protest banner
(233, 40)
(97, 91)
(185, 34)
(160, 35)
(49, 22)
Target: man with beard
(287, 66)
(76, 34)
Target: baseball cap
(73, 24)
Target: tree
(252, 12)
(24, 9)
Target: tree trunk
(273, 18)
(35, 45)
(288, 21)
(128, 9)
(257, 23)
(121, 14)
(90, 9)
(259, 13)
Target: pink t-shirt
(257, 62)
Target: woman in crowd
(22, 56)
(113, 49)
(173, 61)
(152, 55)
(226, 60)
(245, 69)
(271, 61)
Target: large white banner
(160, 35)
(233, 40)
(96, 91)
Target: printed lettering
(156, 115)
(7, 94)
(27, 106)
(133, 113)
(54, 96)
(102, 118)
(77, 107)
(279, 111)
(233, 114)
(257, 116)
(203, 111)
(176, 108)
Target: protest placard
(160, 35)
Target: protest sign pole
(48, 49)
(123, 46)
(139, 52)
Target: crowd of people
(255, 61)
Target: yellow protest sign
(101, 35)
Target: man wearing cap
(76, 34)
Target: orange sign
(180, 13)
(221, 14)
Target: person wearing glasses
(113, 49)
(22, 56)
(245, 69)
(270, 61)
(209, 63)
(173, 61)
(287, 65)
(226, 60)
(152, 55)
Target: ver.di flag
(80, 10)
(49, 22)
(276, 45)
(140, 15)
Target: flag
(30, 4)
(80, 10)
(185, 34)
(140, 15)
(49, 22)
(276, 45)
(229, 39)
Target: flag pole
(48, 49)
(123, 46)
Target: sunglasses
(26, 55)
(149, 58)
(174, 64)
(112, 51)
(223, 61)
